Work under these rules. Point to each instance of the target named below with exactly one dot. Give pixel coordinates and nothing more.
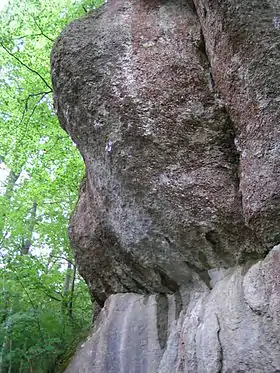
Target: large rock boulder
(133, 88)
(174, 106)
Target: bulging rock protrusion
(133, 88)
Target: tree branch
(42, 288)
(26, 66)
(64, 258)
(42, 33)
(27, 36)
(32, 112)
(43, 94)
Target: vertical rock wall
(233, 328)
(242, 43)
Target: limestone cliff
(174, 106)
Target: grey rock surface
(242, 44)
(161, 199)
(174, 106)
(233, 328)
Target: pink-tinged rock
(161, 199)
(243, 45)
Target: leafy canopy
(44, 305)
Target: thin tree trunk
(20, 366)
(3, 349)
(72, 293)
(49, 262)
(10, 360)
(65, 301)
(30, 366)
(22, 360)
(10, 183)
(4, 321)
(26, 241)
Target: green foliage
(33, 317)
(44, 305)
(39, 154)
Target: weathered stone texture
(174, 106)
(133, 89)
(242, 42)
(234, 328)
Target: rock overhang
(144, 91)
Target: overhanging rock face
(174, 106)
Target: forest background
(45, 309)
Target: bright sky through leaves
(3, 3)
(45, 308)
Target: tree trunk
(72, 293)
(26, 241)
(65, 301)
(9, 184)
(4, 321)
(10, 359)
